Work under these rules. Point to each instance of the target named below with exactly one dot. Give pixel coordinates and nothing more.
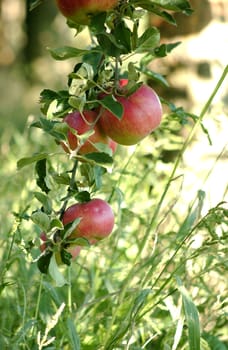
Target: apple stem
(70, 188)
(85, 120)
(38, 303)
(69, 291)
(117, 60)
(95, 121)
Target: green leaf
(110, 45)
(60, 128)
(52, 292)
(47, 96)
(29, 160)
(191, 218)
(112, 105)
(98, 172)
(175, 5)
(69, 228)
(139, 302)
(133, 76)
(167, 17)
(164, 49)
(41, 171)
(148, 41)
(66, 257)
(156, 77)
(99, 158)
(66, 52)
(94, 60)
(192, 317)
(101, 147)
(55, 128)
(56, 224)
(45, 200)
(123, 36)
(73, 336)
(83, 196)
(78, 241)
(97, 24)
(77, 103)
(61, 179)
(41, 219)
(61, 105)
(44, 261)
(54, 272)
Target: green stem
(117, 73)
(69, 290)
(71, 186)
(38, 302)
(39, 297)
(153, 220)
(121, 176)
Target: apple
(97, 219)
(82, 124)
(142, 112)
(79, 11)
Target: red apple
(97, 219)
(79, 11)
(83, 125)
(142, 114)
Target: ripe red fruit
(83, 124)
(142, 114)
(97, 219)
(79, 11)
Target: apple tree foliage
(119, 48)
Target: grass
(158, 282)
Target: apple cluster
(141, 115)
(142, 112)
(97, 129)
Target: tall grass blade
(75, 341)
(192, 318)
